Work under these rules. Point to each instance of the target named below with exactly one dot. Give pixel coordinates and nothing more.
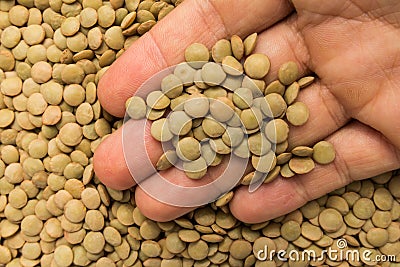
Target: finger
(131, 145)
(326, 116)
(366, 81)
(282, 43)
(358, 149)
(151, 205)
(218, 180)
(193, 21)
(156, 210)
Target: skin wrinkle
(397, 153)
(299, 42)
(287, 198)
(374, 13)
(213, 13)
(396, 58)
(327, 102)
(328, 17)
(374, 137)
(301, 192)
(283, 197)
(388, 71)
(343, 169)
(305, 28)
(369, 105)
(380, 66)
(381, 91)
(337, 117)
(273, 18)
(293, 26)
(340, 12)
(390, 75)
(164, 62)
(395, 20)
(395, 150)
(363, 13)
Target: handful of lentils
(210, 107)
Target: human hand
(352, 46)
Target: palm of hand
(352, 45)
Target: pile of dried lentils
(55, 212)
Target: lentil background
(55, 212)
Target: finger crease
(212, 19)
(302, 192)
(298, 44)
(343, 170)
(339, 118)
(398, 156)
(164, 61)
